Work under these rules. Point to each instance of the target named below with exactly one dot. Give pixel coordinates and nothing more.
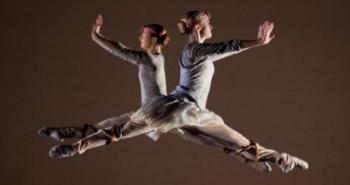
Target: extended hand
(98, 23)
(264, 34)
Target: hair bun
(181, 25)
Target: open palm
(264, 33)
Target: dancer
(197, 69)
(151, 73)
(185, 108)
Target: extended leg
(102, 137)
(212, 131)
(61, 133)
(195, 135)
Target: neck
(154, 49)
(195, 37)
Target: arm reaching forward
(217, 51)
(116, 48)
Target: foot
(259, 165)
(59, 133)
(249, 160)
(287, 163)
(60, 151)
(51, 132)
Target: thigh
(137, 125)
(213, 128)
(114, 121)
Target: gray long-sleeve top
(151, 71)
(197, 68)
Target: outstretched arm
(116, 48)
(217, 51)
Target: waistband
(180, 95)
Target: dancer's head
(196, 23)
(153, 36)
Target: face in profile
(145, 40)
(206, 31)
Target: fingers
(260, 34)
(270, 28)
(269, 31)
(99, 20)
(265, 25)
(98, 23)
(271, 25)
(263, 28)
(267, 28)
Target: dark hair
(159, 32)
(191, 18)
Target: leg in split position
(102, 137)
(79, 132)
(214, 132)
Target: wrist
(260, 41)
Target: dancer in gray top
(197, 70)
(151, 73)
(150, 62)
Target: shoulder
(191, 55)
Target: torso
(151, 76)
(195, 76)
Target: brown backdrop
(292, 95)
